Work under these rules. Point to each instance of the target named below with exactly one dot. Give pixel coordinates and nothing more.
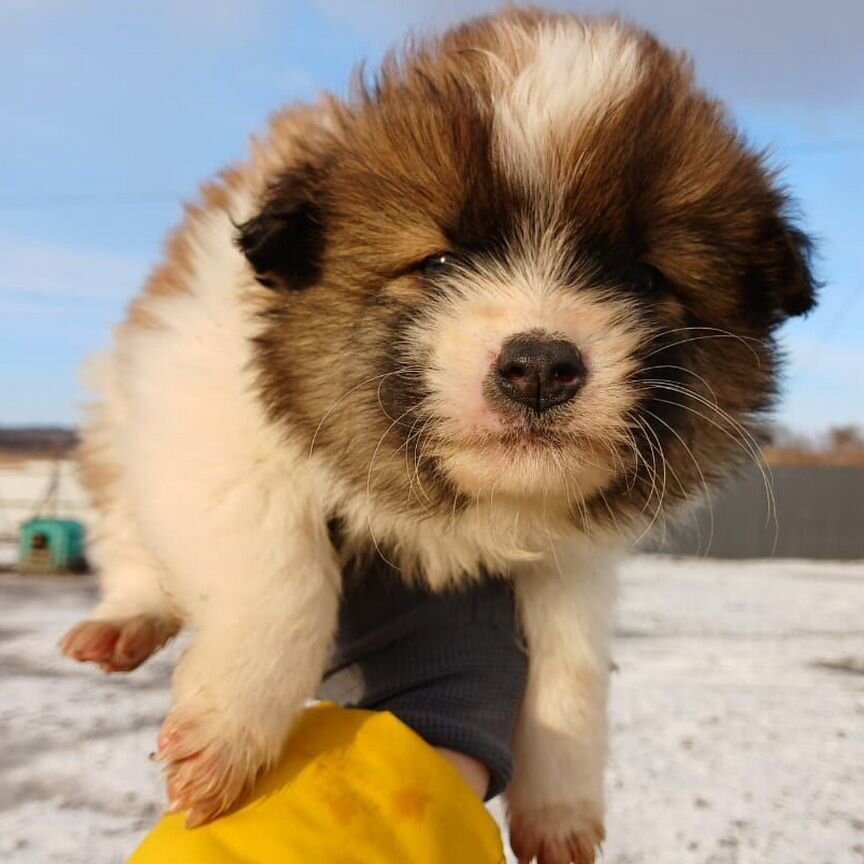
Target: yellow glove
(352, 787)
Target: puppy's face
(532, 261)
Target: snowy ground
(737, 715)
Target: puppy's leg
(259, 653)
(246, 542)
(134, 617)
(231, 505)
(555, 801)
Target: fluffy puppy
(499, 312)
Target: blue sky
(112, 112)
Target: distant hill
(34, 441)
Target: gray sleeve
(449, 665)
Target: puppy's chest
(432, 557)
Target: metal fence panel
(819, 514)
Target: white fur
(229, 511)
(464, 339)
(131, 576)
(577, 70)
(565, 605)
(221, 518)
(235, 517)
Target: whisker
(720, 334)
(413, 470)
(581, 504)
(701, 478)
(662, 492)
(369, 487)
(652, 468)
(630, 441)
(703, 328)
(700, 378)
(418, 457)
(686, 391)
(403, 371)
(754, 456)
(746, 440)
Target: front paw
(120, 644)
(210, 765)
(557, 835)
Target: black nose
(539, 372)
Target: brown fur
(394, 243)
(410, 170)
(362, 191)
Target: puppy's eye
(440, 262)
(648, 279)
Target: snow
(737, 714)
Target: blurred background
(112, 113)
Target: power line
(96, 201)
(804, 147)
(838, 318)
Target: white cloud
(761, 50)
(798, 50)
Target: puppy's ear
(284, 243)
(789, 271)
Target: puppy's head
(532, 261)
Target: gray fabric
(449, 665)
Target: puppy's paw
(556, 835)
(119, 645)
(210, 767)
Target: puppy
(501, 311)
